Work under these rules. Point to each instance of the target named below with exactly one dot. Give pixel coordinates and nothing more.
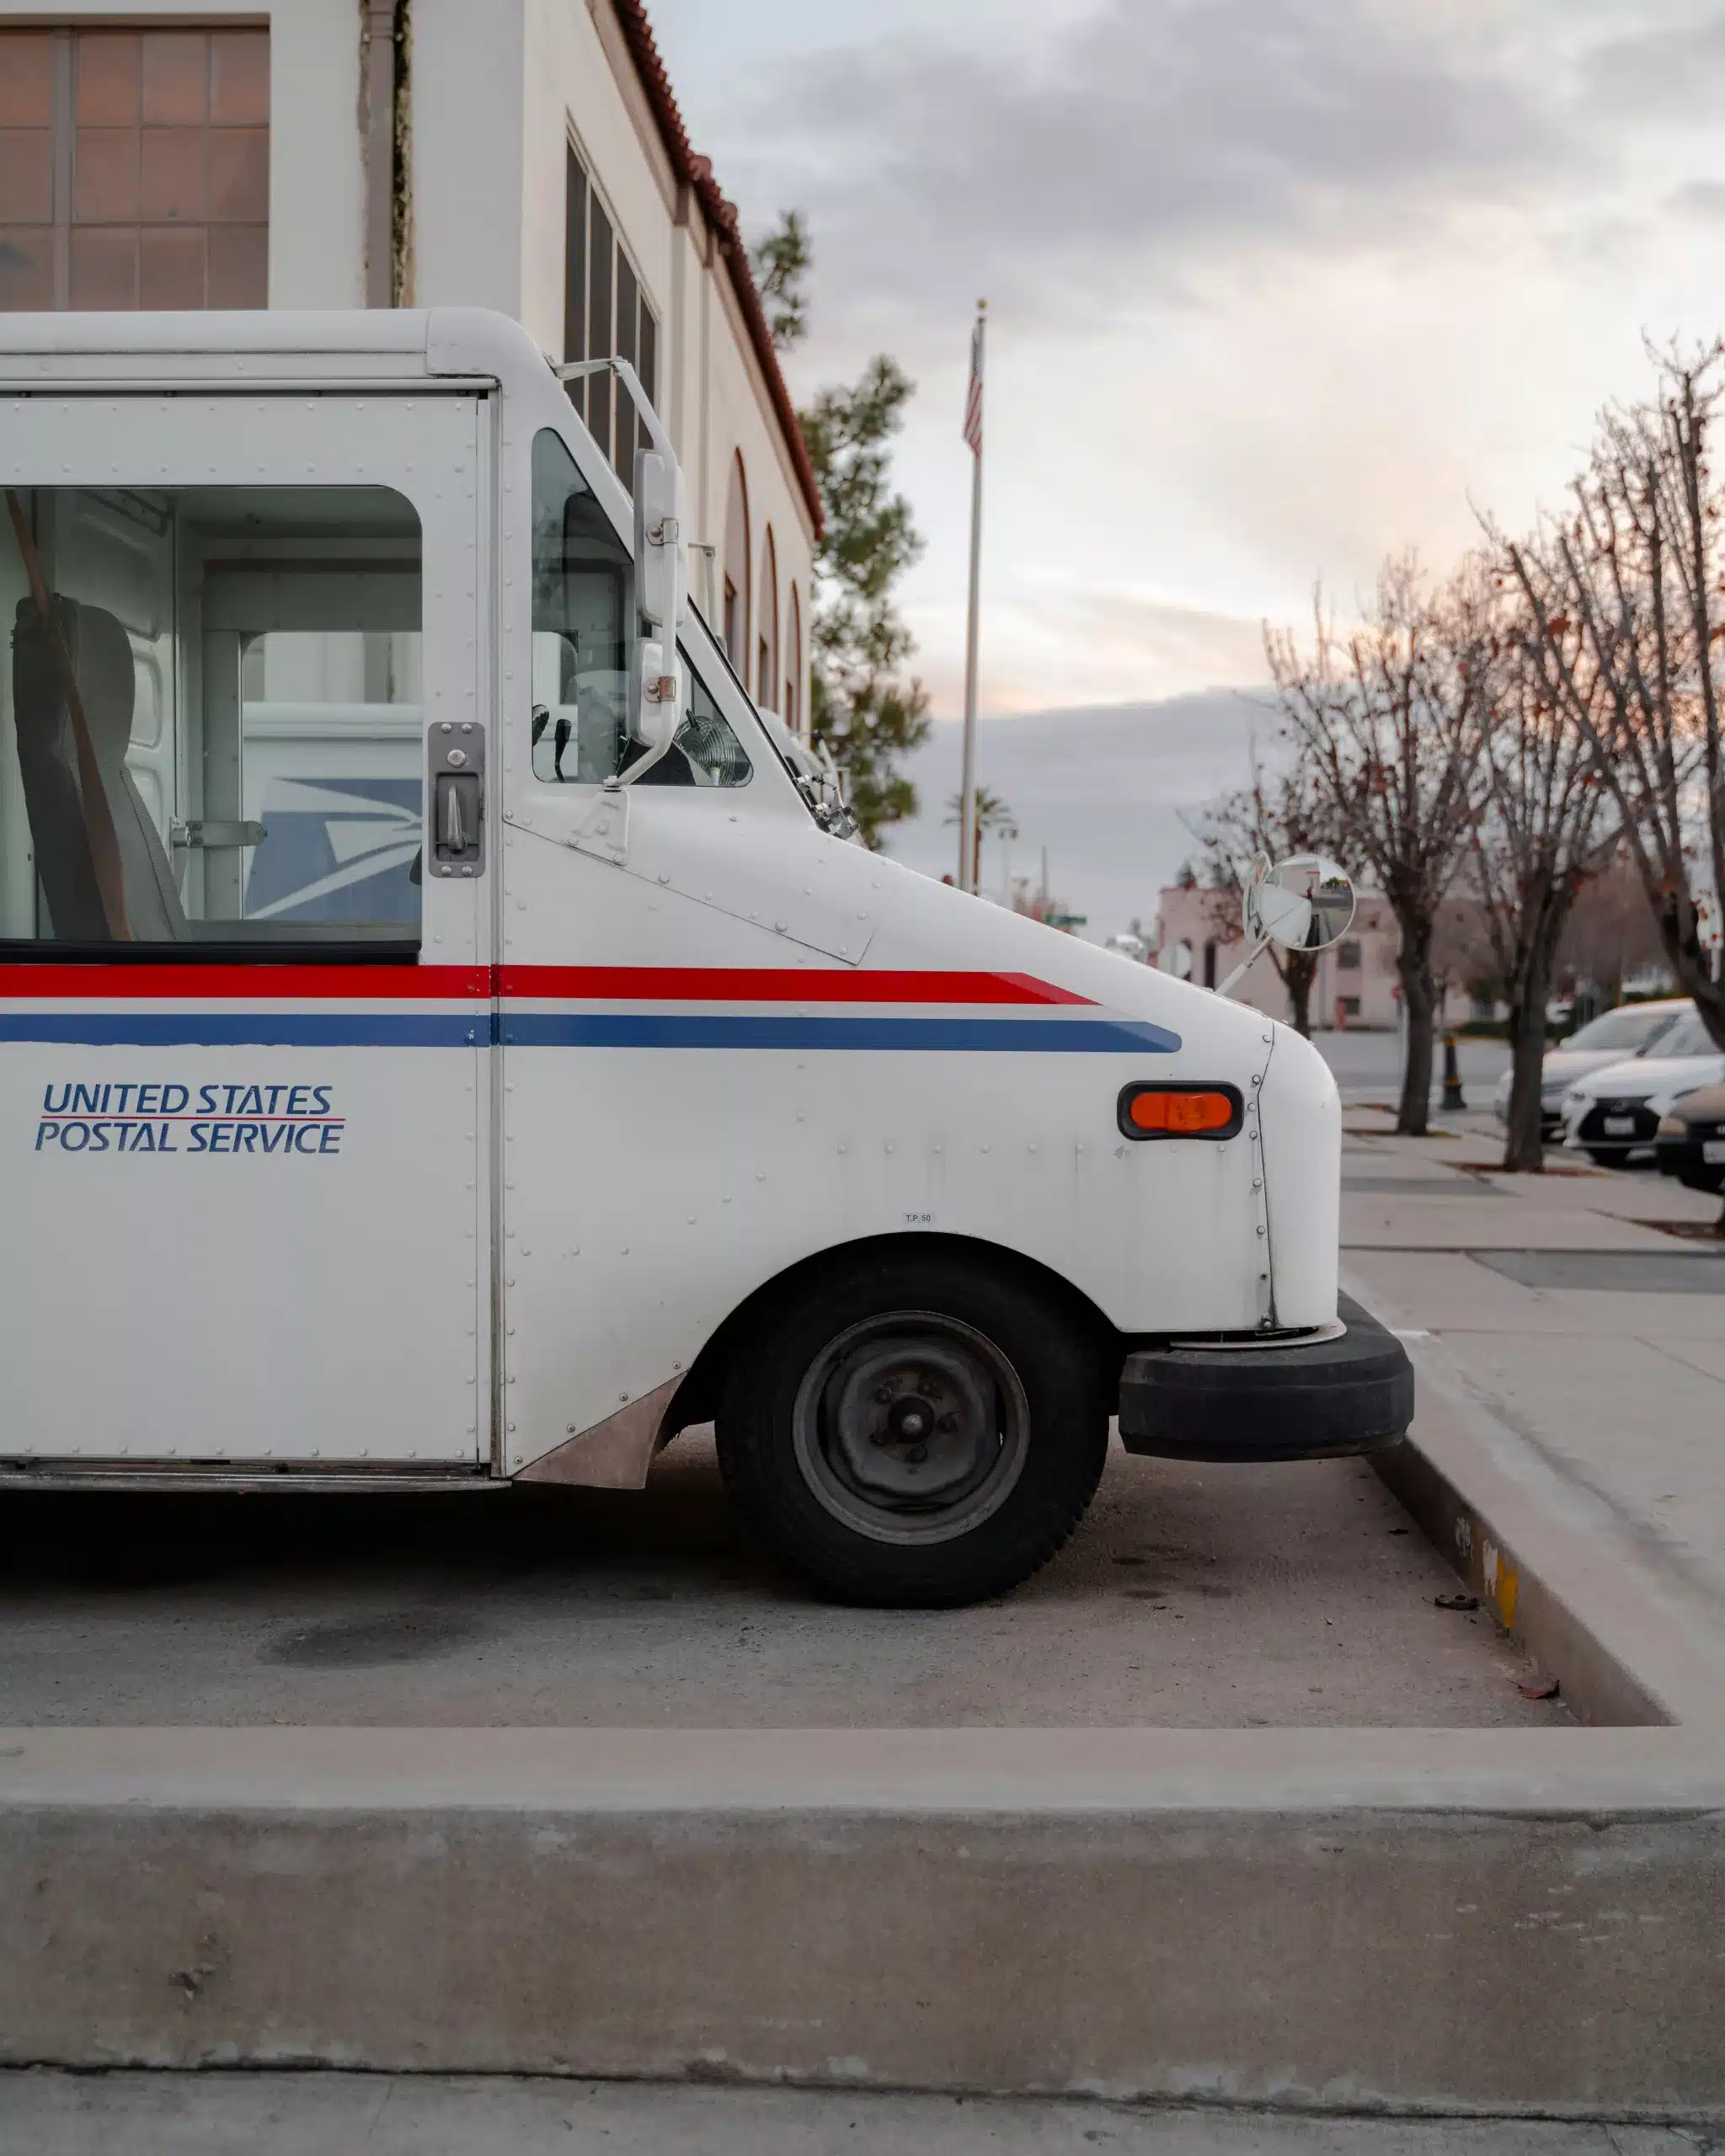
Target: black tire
(1028, 1424)
(1603, 1160)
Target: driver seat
(47, 756)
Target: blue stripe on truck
(276, 1028)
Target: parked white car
(1632, 1029)
(1613, 1112)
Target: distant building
(524, 155)
(1199, 933)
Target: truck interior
(583, 600)
(211, 729)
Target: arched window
(735, 617)
(793, 709)
(767, 677)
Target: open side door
(245, 861)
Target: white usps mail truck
(448, 1036)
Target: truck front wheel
(912, 1432)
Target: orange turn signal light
(1170, 1111)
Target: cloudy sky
(1274, 285)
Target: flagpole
(966, 801)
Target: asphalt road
(1191, 1597)
(1368, 1066)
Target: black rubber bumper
(1350, 1395)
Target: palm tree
(993, 815)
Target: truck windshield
(584, 625)
(211, 726)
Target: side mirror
(1305, 903)
(661, 551)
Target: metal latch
(457, 751)
(210, 835)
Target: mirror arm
(639, 769)
(1245, 965)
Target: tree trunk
(1419, 1000)
(1524, 1146)
(1301, 974)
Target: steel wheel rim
(911, 1428)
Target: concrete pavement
(1615, 1388)
(439, 2114)
(1191, 1596)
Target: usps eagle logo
(338, 849)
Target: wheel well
(697, 1398)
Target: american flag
(973, 400)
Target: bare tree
(1626, 598)
(1546, 827)
(1611, 934)
(1283, 813)
(1462, 954)
(1388, 718)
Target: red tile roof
(721, 213)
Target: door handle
(457, 754)
(452, 832)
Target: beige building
(1198, 934)
(524, 155)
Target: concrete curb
(1377, 1919)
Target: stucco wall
(465, 78)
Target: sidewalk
(312, 2113)
(1587, 1337)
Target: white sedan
(1613, 1112)
(1632, 1029)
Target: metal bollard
(1453, 1096)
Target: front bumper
(1683, 1157)
(1311, 1400)
(1588, 1131)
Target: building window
(1209, 964)
(767, 656)
(606, 315)
(793, 666)
(736, 569)
(134, 168)
(1348, 957)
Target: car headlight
(1671, 1126)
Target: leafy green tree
(781, 262)
(863, 705)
